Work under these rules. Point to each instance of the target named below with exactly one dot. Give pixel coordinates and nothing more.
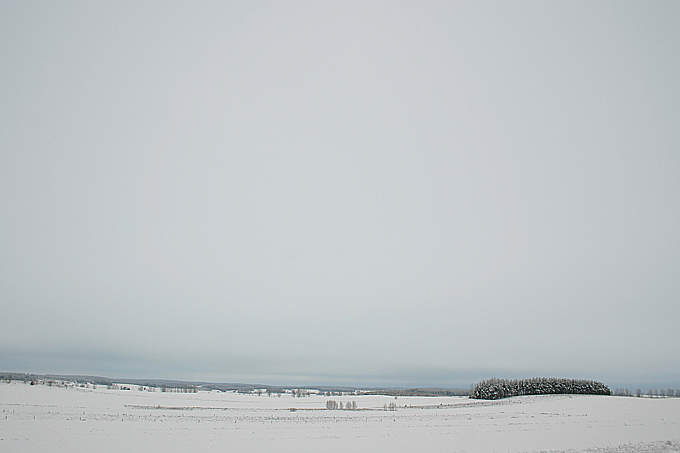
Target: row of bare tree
(333, 405)
(661, 393)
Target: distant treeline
(27, 377)
(417, 392)
(494, 389)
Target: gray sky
(364, 193)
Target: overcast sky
(360, 193)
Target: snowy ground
(43, 418)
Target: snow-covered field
(44, 418)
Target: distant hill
(237, 387)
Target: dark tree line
(493, 389)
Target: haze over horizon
(346, 193)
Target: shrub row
(493, 389)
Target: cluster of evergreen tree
(493, 389)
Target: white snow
(43, 418)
